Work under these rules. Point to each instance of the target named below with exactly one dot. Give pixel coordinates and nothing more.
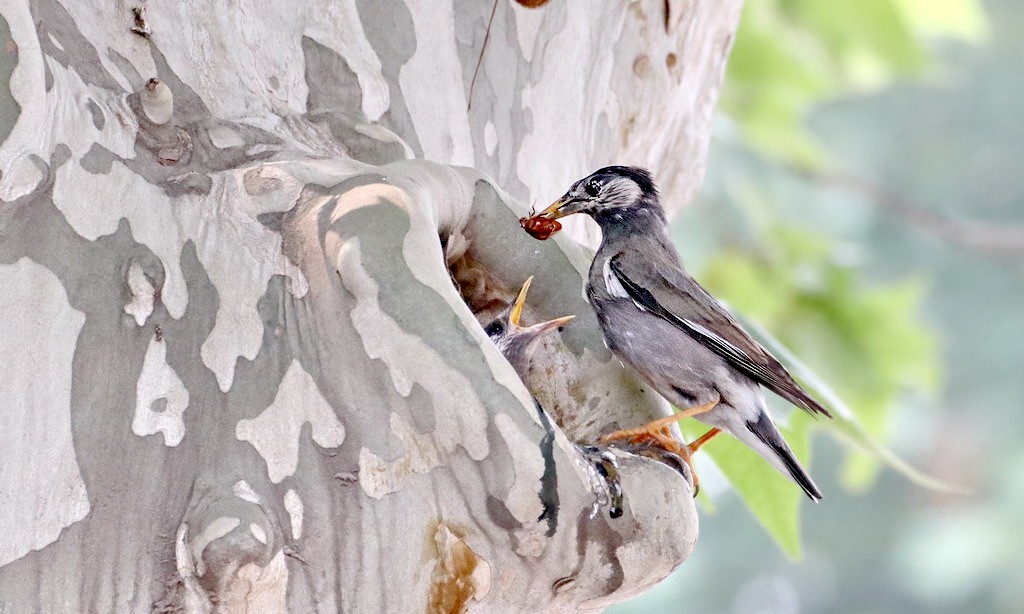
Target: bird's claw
(604, 471)
(659, 445)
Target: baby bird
(661, 322)
(516, 342)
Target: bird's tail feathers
(774, 448)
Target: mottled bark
(234, 370)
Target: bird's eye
(495, 328)
(592, 188)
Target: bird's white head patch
(612, 187)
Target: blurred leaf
(844, 423)
(790, 55)
(963, 19)
(771, 497)
(705, 501)
(867, 341)
(859, 471)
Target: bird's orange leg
(651, 430)
(692, 448)
(658, 432)
(701, 441)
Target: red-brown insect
(540, 228)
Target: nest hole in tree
(553, 376)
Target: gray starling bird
(517, 342)
(657, 319)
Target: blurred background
(865, 204)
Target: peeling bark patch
(243, 491)
(275, 432)
(223, 136)
(380, 19)
(97, 160)
(258, 589)
(9, 108)
(159, 382)
(258, 532)
(596, 547)
(410, 361)
(490, 138)
(142, 293)
(348, 77)
(61, 40)
(459, 575)
(98, 120)
(341, 91)
(436, 60)
(293, 504)
(210, 533)
(41, 486)
(523, 498)
(259, 181)
(379, 477)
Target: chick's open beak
(562, 207)
(517, 313)
(517, 306)
(544, 327)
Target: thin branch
(1002, 241)
(480, 58)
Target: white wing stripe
(611, 282)
(707, 333)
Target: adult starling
(516, 342)
(661, 322)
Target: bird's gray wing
(666, 291)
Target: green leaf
(844, 424)
(962, 19)
(790, 55)
(771, 497)
(796, 285)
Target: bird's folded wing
(669, 293)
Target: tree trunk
(234, 370)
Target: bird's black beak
(562, 207)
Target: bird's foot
(659, 444)
(666, 450)
(604, 476)
(659, 426)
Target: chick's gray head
(517, 342)
(609, 191)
